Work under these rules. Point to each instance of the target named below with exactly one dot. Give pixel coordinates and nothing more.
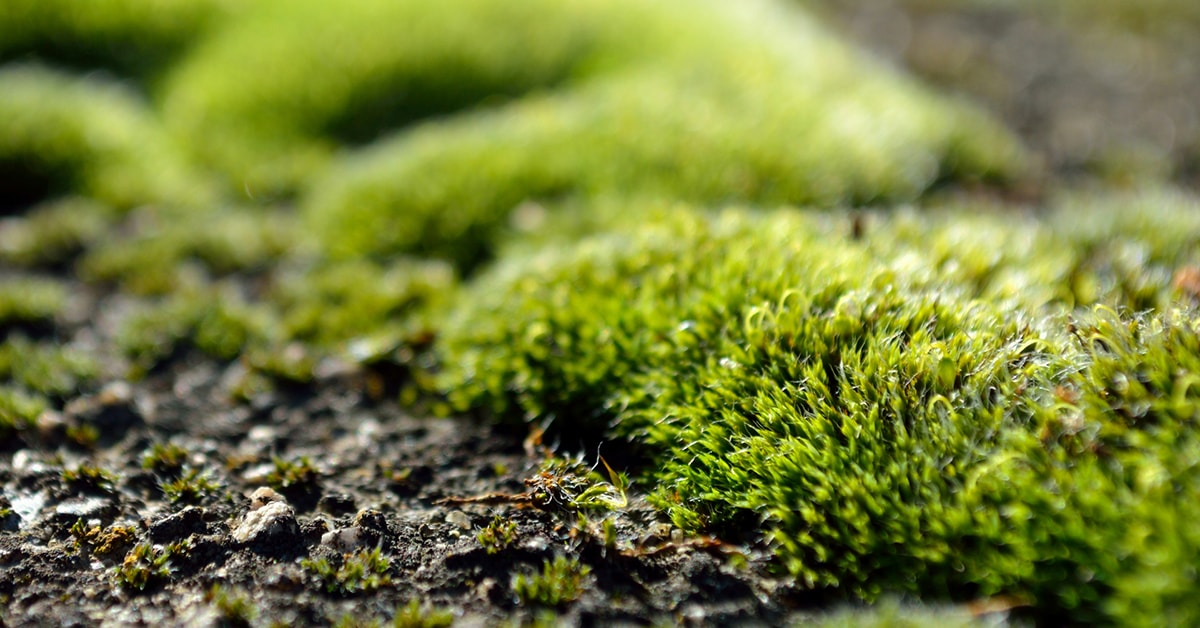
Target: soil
(379, 472)
(422, 489)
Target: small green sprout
(165, 458)
(559, 584)
(568, 483)
(85, 435)
(414, 615)
(293, 473)
(87, 477)
(498, 535)
(360, 572)
(235, 610)
(190, 487)
(145, 565)
(19, 411)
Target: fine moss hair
(857, 401)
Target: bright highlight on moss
(888, 430)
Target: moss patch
(886, 428)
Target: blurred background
(1099, 88)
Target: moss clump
(559, 583)
(30, 302)
(60, 133)
(128, 36)
(329, 304)
(50, 369)
(703, 101)
(52, 234)
(19, 411)
(887, 430)
(214, 321)
(163, 248)
(362, 571)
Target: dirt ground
(319, 472)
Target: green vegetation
(416, 615)
(129, 36)
(362, 571)
(190, 487)
(519, 203)
(147, 565)
(234, 609)
(299, 473)
(19, 411)
(857, 400)
(90, 478)
(164, 458)
(498, 535)
(559, 583)
(30, 302)
(65, 134)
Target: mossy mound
(889, 430)
(130, 37)
(493, 103)
(61, 134)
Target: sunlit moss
(134, 36)
(860, 405)
(62, 134)
(497, 102)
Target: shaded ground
(1092, 107)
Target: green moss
(30, 302)
(162, 248)
(19, 411)
(503, 102)
(129, 36)
(145, 566)
(331, 303)
(61, 134)
(497, 535)
(45, 367)
(190, 487)
(559, 583)
(858, 403)
(215, 321)
(362, 571)
(52, 234)
(416, 615)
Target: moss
(215, 321)
(858, 403)
(127, 36)
(51, 235)
(19, 411)
(163, 246)
(362, 571)
(497, 535)
(61, 134)
(46, 367)
(501, 102)
(327, 304)
(145, 566)
(559, 583)
(416, 615)
(190, 487)
(30, 302)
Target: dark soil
(379, 473)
